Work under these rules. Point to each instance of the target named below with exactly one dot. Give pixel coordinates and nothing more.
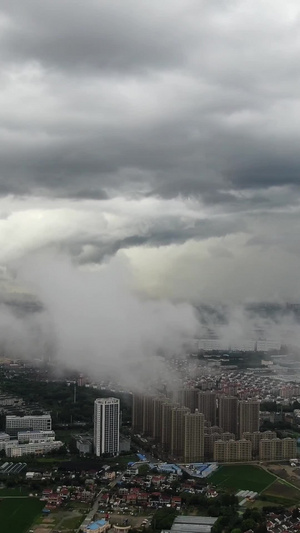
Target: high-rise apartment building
(166, 430)
(14, 424)
(189, 398)
(178, 429)
(207, 404)
(148, 416)
(232, 451)
(248, 416)
(157, 417)
(106, 426)
(220, 451)
(193, 437)
(256, 437)
(228, 414)
(137, 412)
(289, 448)
(277, 449)
(244, 451)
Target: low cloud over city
(161, 136)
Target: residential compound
(232, 451)
(277, 449)
(206, 425)
(107, 426)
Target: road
(89, 517)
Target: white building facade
(106, 426)
(35, 436)
(14, 449)
(14, 424)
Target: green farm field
(243, 477)
(283, 493)
(17, 514)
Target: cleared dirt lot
(287, 472)
(120, 519)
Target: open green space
(17, 514)
(242, 477)
(122, 460)
(72, 523)
(18, 491)
(58, 398)
(52, 460)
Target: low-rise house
(104, 498)
(142, 497)
(158, 480)
(165, 499)
(110, 476)
(176, 501)
(131, 498)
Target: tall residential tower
(106, 426)
(249, 416)
(228, 414)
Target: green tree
(163, 519)
(248, 524)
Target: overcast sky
(165, 134)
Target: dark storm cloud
(268, 173)
(179, 119)
(96, 250)
(169, 98)
(155, 144)
(113, 36)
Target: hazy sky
(166, 132)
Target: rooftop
(95, 525)
(193, 528)
(205, 520)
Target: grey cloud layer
(190, 107)
(167, 98)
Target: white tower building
(106, 426)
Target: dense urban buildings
(277, 449)
(256, 437)
(106, 426)
(188, 434)
(232, 451)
